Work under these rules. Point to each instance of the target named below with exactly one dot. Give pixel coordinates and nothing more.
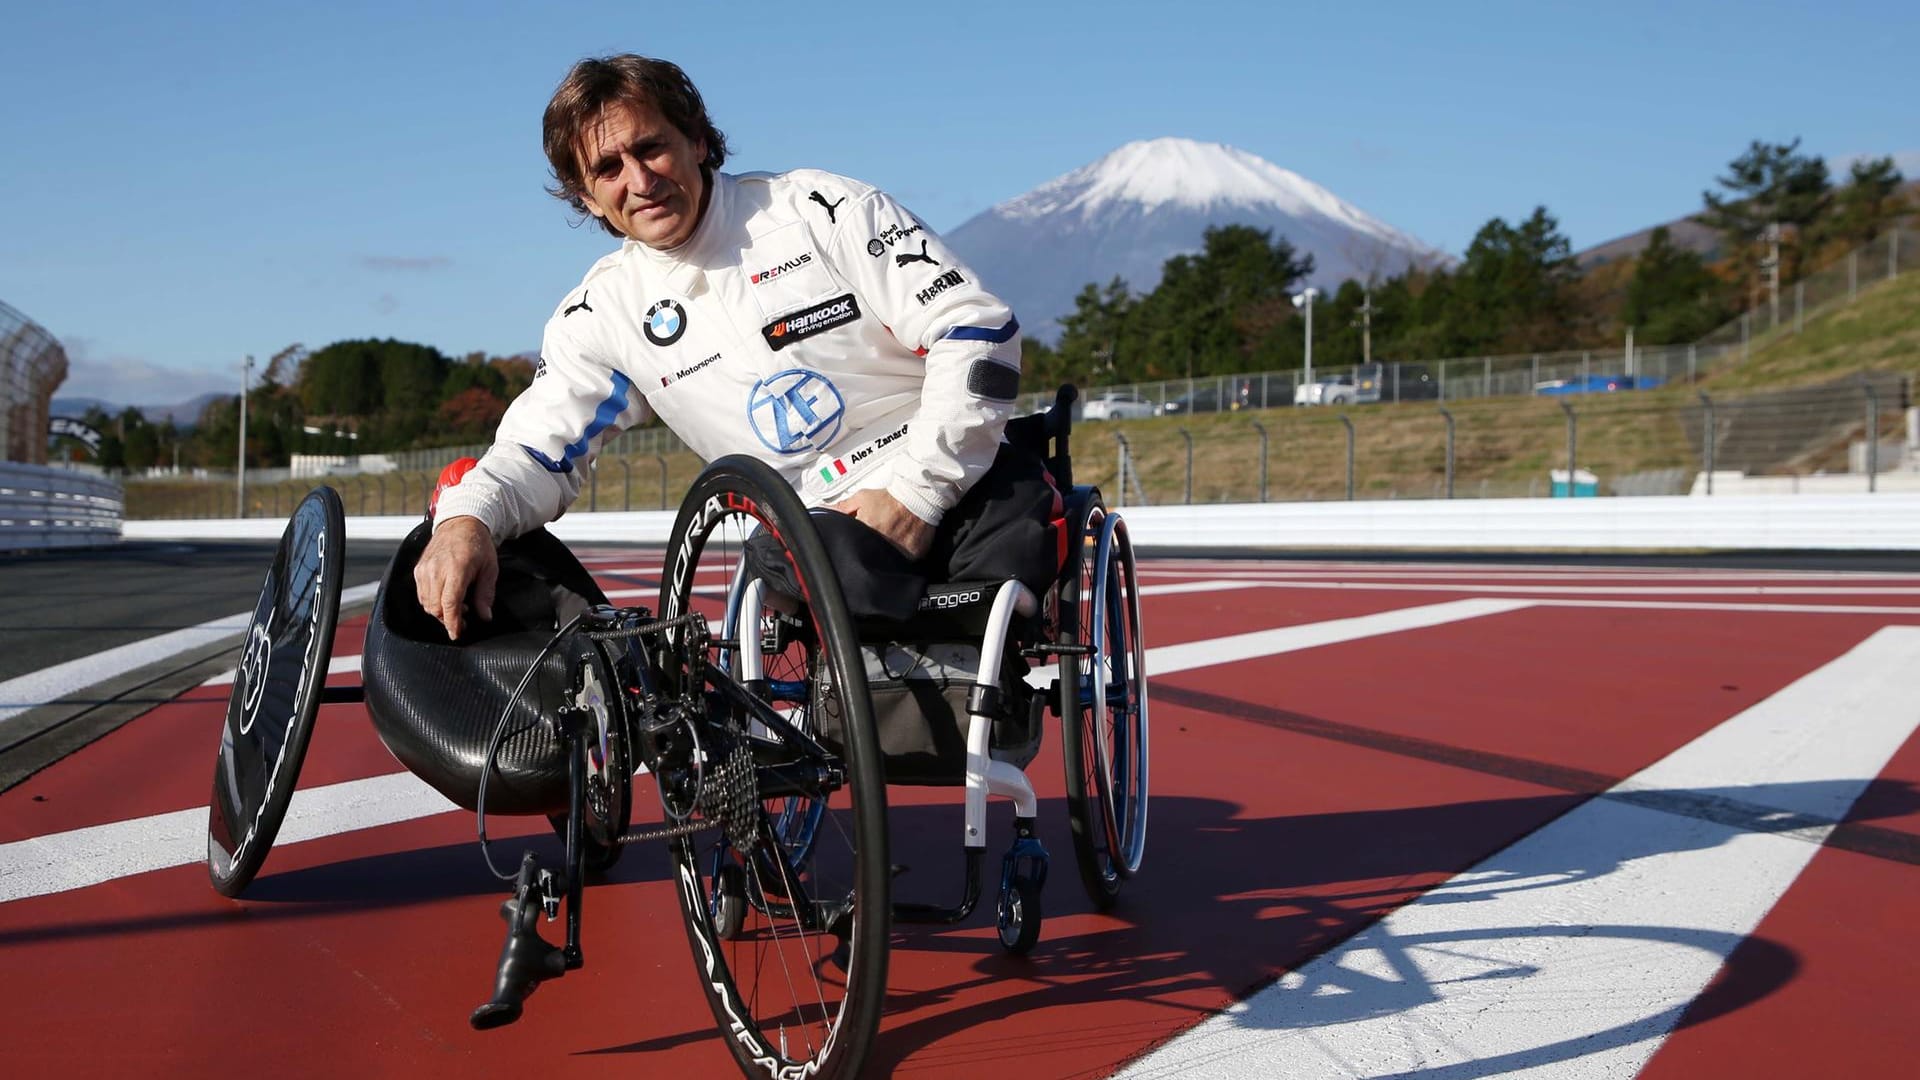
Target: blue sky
(182, 185)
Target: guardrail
(43, 507)
(1805, 522)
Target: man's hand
(883, 513)
(458, 558)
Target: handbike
(753, 709)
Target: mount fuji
(1130, 211)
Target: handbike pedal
(526, 959)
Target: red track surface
(1297, 797)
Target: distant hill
(1133, 209)
(185, 414)
(1686, 234)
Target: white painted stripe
(1278, 572)
(38, 688)
(83, 857)
(1167, 659)
(339, 665)
(1596, 590)
(1583, 943)
(1178, 588)
(1737, 605)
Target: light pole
(240, 489)
(1304, 300)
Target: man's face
(643, 176)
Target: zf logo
(795, 411)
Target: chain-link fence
(1463, 378)
(1664, 442)
(32, 365)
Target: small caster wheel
(729, 903)
(1020, 915)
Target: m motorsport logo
(817, 319)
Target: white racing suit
(810, 321)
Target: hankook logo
(790, 264)
(817, 319)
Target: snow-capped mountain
(1130, 211)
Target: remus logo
(791, 264)
(817, 319)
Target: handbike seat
(436, 703)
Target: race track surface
(1453, 819)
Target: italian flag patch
(833, 472)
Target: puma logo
(902, 260)
(831, 206)
(581, 306)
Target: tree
(1869, 203)
(473, 412)
(1513, 291)
(1672, 296)
(1090, 336)
(1771, 183)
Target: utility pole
(1773, 272)
(240, 488)
(1366, 323)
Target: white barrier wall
(43, 507)
(1884, 522)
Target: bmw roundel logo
(795, 411)
(666, 321)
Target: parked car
(1598, 384)
(1206, 398)
(1118, 406)
(1335, 390)
(1394, 382)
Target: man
(803, 318)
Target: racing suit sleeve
(549, 435)
(969, 338)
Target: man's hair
(598, 82)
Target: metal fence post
(382, 481)
(1443, 380)
(1449, 417)
(593, 485)
(662, 459)
(1187, 494)
(1586, 368)
(1572, 445)
(1853, 274)
(1531, 386)
(1873, 434)
(1893, 253)
(1262, 429)
(1693, 368)
(1349, 423)
(1707, 437)
(1746, 336)
(626, 484)
(1799, 305)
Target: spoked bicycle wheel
(787, 907)
(1104, 711)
